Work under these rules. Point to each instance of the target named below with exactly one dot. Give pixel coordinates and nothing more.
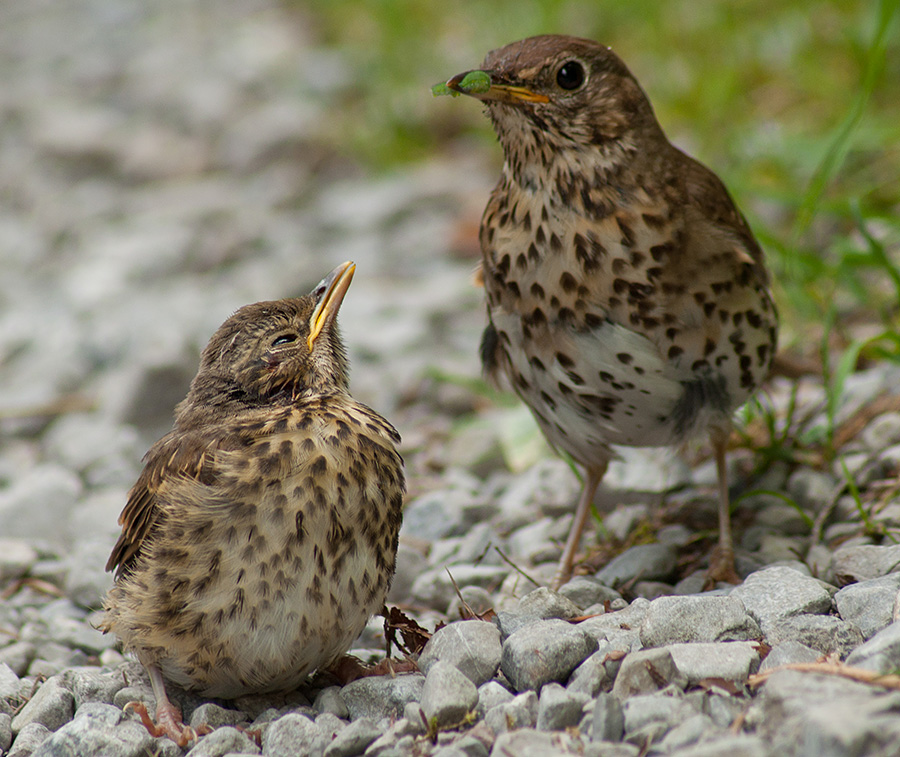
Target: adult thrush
(262, 532)
(628, 301)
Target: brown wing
(178, 454)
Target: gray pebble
(415, 720)
(598, 671)
(869, 604)
(627, 619)
(788, 653)
(521, 712)
(775, 593)
(472, 646)
(9, 682)
(330, 725)
(478, 600)
(214, 716)
(696, 619)
(608, 719)
(810, 488)
(585, 591)
(434, 588)
(28, 740)
(732, 661)
(861, 563)
(51, 706)
(529, 743)
(653, 589)
(826, 633)
(728, 746)
(448, 695)
(437, 514)
(536, 542)
(18, 656)
(650, 562)
(807, 714)
(558, 708)
(654, 715)
(689, 732)
(5, 731)
(647, 671)
(354, 739)
(330, 700)
(492, 694)
(470, 746)
(543, 604)
(546, 651)
(89, 684)
(16, 558)
(881, 653)
(883, 431)
(222, 741)
(381, 697)
(290, 735)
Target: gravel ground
(162, 165)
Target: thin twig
(516, 567)
(888, 681)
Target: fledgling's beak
(329, 294)
(496, 90)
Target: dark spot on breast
(568, 282)
(627, 232)
(618, 266)
(653, 221)
(625, 358)
(674, 352)
(659, 251)
(537, 291)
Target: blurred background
(163, 163)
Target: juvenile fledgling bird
(262, 532)
(628, 301)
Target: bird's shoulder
(180, 456)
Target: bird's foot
(168, 722)
(721, 568)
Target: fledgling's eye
(570, 75)
(284, 339)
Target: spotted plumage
(628, 301)
(262, 532)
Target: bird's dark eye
(571, 75)
(284, 339)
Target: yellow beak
(500, 92)
(329, 293)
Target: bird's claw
(169, 723)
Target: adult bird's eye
(571, 75)
(284, 339)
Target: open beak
(496, 91)
(329, 294)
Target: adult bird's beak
(329, 294)
(474, 84)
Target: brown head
(563, 93)
(273, 352)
